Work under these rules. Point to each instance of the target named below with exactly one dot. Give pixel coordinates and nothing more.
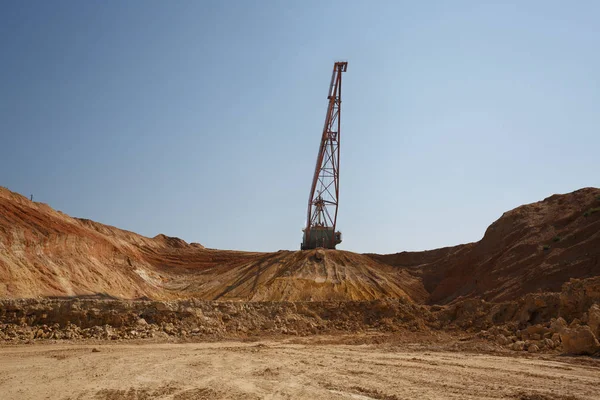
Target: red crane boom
(324, 193)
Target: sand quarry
(89, 311)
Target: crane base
(320, 237)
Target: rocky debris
(533, 348)
(22, 320)
(533, 319)
(534, 308)
(577, 297)
(579, 340)
(555, 338)
(518, 346)
(533, 338)
(479, 314)
(558, 325)
(512, 325)
(594, 319)
(502, 340)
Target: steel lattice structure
(324, 193)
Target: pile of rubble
(32, 319)
(141, 330)
(575, 338)
(568, 321)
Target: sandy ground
(286, 370)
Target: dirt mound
(306, 276)
(535, 247)
(46, 253)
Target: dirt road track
(280, 370)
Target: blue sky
(202, 119)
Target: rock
(549, 343)
(536, 336)
(505, 332)
(95, 350)
(594, 320)
(142, 322)
(558, 325)
(536, 330)
(169, 328)
(518, 346)
(537, 307)
(162, 306)
(556, 338)
(579, 340)
(319, 254)
(268, 325)
(533, 348)
(502, 340)
(578, 295)
(519, 334)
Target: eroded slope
(44, 252)
(535, 247)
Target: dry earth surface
(90, 311)
(287, 369)
(535, 247)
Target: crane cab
(320, 236)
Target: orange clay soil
(533, 248)
(44, 252)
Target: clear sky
(202, 119)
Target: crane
(324, 193)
